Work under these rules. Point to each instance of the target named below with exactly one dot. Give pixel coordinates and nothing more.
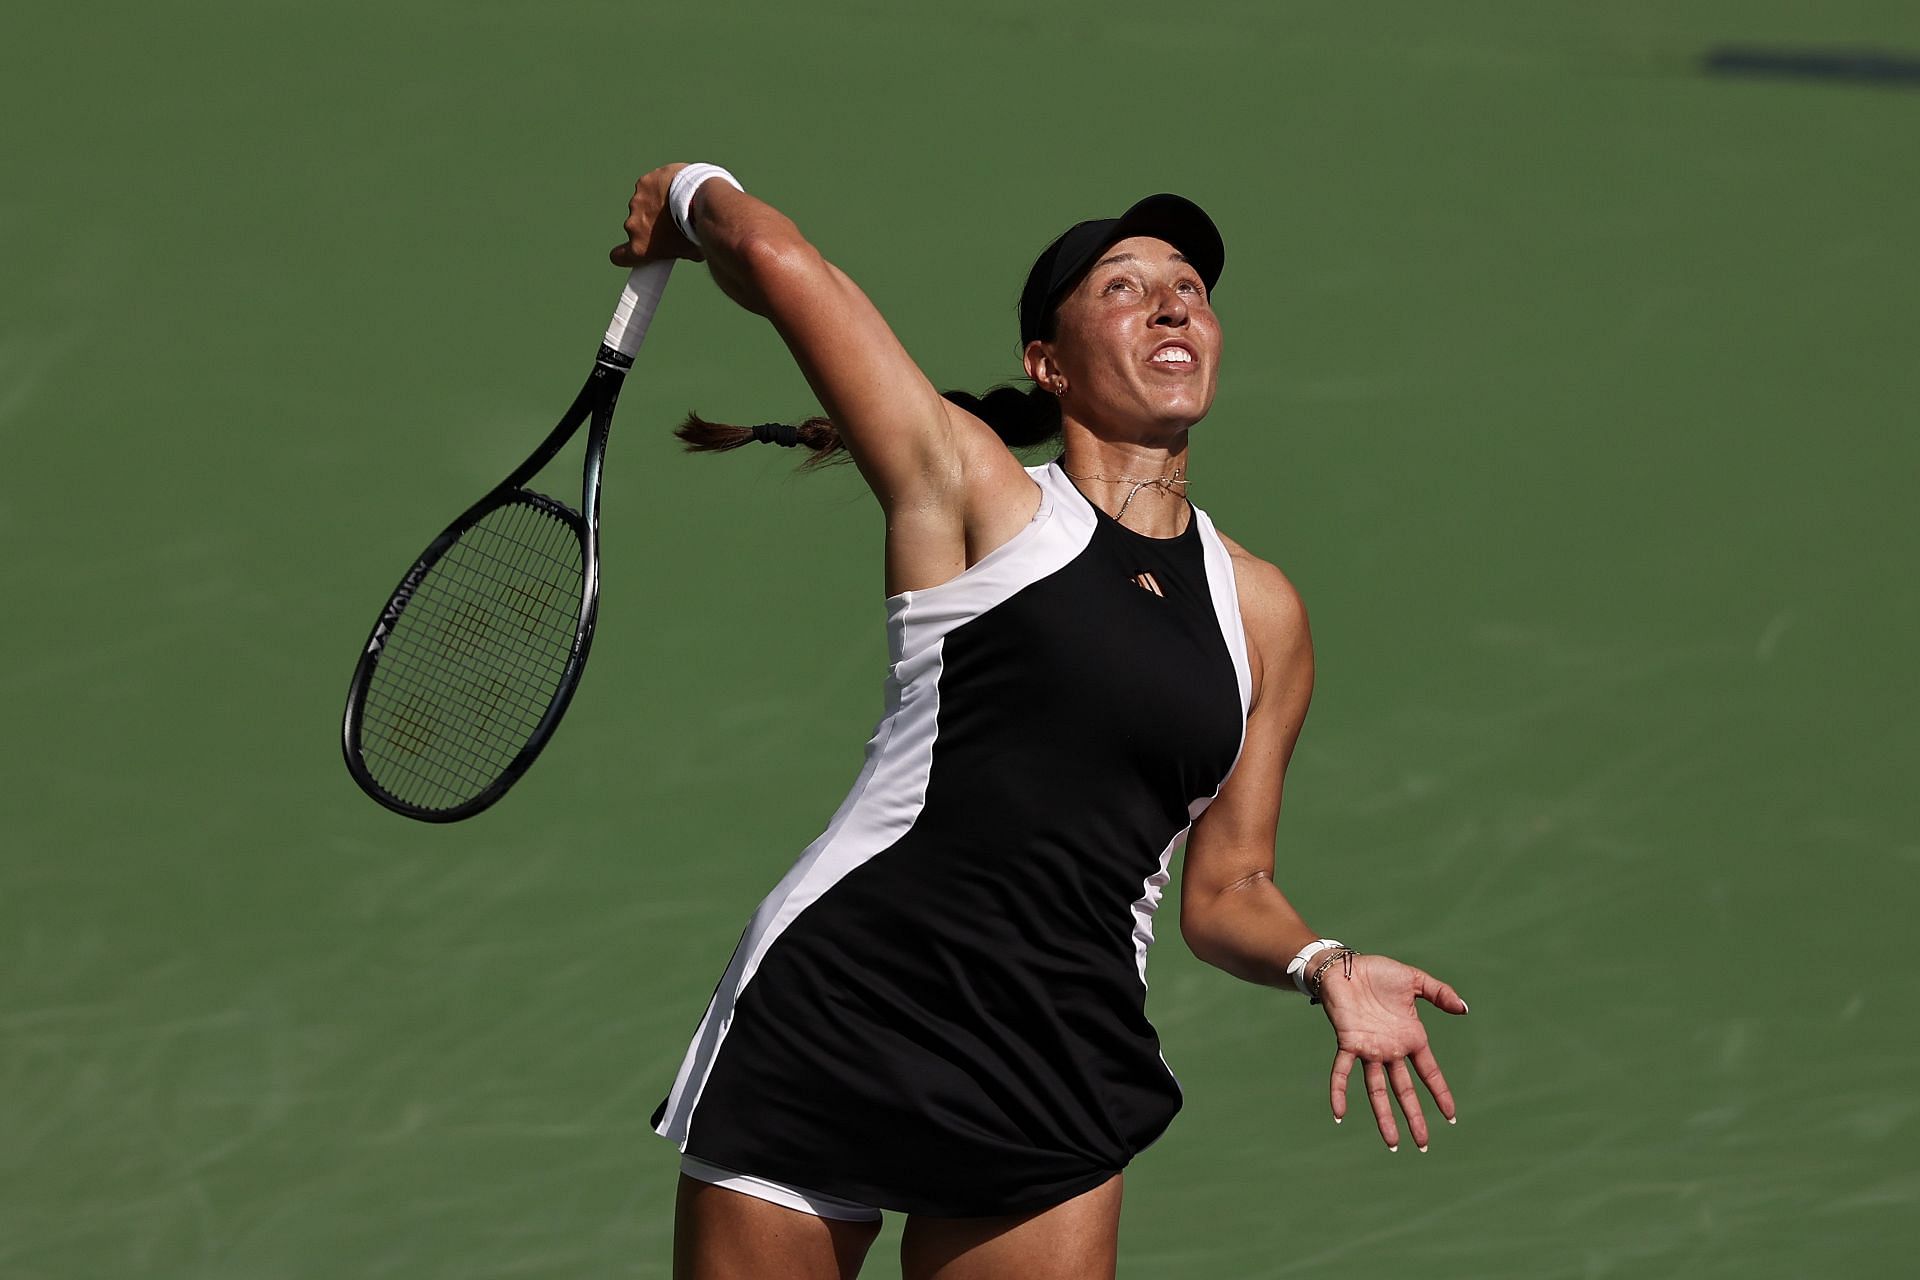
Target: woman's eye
(1114, 286)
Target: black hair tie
(784, 434)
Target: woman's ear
(1042, 369)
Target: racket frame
(594, 406)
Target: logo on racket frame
(397, 605)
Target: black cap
(1175, 219)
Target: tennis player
(940, 1010)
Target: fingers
(634, 252)
(1342, 1068)
(1429, 1069)
(1402, 1080)
(1437, 993)
(647, 222)
(1382, 1101)
(1389, 1082)
(639, 229)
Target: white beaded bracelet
(1297, 967)
(680, 194)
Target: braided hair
(1020, 418)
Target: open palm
(1376, 1022)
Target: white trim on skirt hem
(817, 1203)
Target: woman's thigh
(1077, 1240)
(726, 1235)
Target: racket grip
(637, 304)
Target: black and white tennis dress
(941, 1008)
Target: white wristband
(680, 194)
(1297, 967)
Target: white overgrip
(638, 301)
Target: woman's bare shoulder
(1271, 608)
(1263, 589)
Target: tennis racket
(478, 651)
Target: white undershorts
(816, 1203)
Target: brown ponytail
(1020, 418)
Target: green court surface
(1573, 387)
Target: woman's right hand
(651, 231)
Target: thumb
(1438, 994)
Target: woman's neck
(1141, 485)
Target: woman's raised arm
(939, 473)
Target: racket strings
(451, 735)
(458, 716)
(474, 662)
(503, 634)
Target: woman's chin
(1179, 413)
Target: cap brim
(1182, 224)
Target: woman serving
(940, 1010)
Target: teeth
(1173, 355)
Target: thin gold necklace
(1168, 483)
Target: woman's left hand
(1377, 1024)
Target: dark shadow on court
(1850, 66)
